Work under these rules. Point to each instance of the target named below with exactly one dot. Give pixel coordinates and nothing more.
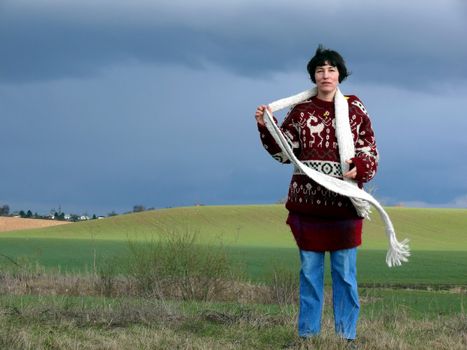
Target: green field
(419, 305)
(257, 237)
(261, 226)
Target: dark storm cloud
(396, 42)
(111, 103)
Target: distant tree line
(4, 210)
(138, 208)
(54, 215)
(60, 215)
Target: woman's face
(327, 78)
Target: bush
(175, 266)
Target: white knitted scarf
(398, 252)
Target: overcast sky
(105, 104)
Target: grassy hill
(262, 226)
(257, 236)
(419, 305)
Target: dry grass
(43, 283)
(14, 224)
(69, 312)
(104, 309)
(115, 339)
(154, 324)
(400, 333)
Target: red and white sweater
(310, 129)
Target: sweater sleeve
(366, 154)
(291, 133)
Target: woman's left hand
(352, 173)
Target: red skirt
(324, 234)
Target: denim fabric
(345, 292)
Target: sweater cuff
(362, 170)
(261, 127)
(264, 127)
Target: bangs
(326, 61)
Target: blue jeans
(344, 292)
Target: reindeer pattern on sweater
(310, 130)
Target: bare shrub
(175, 266)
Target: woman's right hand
(259, 114)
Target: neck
(326, 96)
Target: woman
(321, 220)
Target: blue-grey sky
(106, 104)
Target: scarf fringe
(363, 207)
(398, 252)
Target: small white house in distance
(84, 217)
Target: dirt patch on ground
(13, 224)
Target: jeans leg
(311, 293)
(345, 292)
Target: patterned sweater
(310, 129)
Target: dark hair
(333, 58)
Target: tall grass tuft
(284, 286)
(105, 276)
(175, 266)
